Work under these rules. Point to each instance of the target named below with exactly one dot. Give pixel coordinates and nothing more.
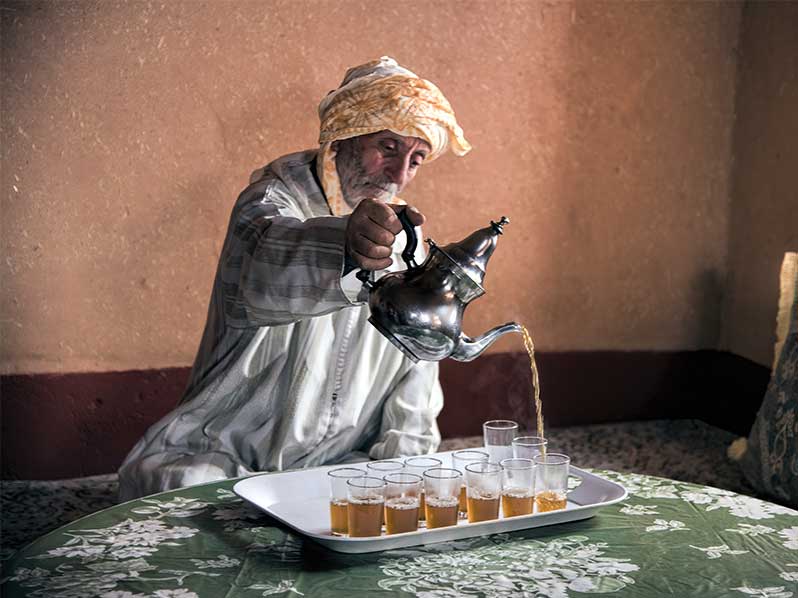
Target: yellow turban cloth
(381, 95)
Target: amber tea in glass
(551, 482)
(459, 461)
(482, 508)
(518, 480)
(339, 498)
(549, 500)
(402, 497)
(442, 488)
(366, 497)
(379, 469)
(419, 465)
(483, 489)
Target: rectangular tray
(300, 499)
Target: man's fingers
(375, 221)
(367, 263)
(368, 249)
(416, 217)
(377, 234)
(383, 216)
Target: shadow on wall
(706, 294)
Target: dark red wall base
(70, 425)
(58, 426)
(590, 387)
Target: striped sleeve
(278, 266)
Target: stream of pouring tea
(530, 349)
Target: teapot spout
(471, 348)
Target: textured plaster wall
(764, 214)
(603, 130)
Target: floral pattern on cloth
(739, 505)
(496, 566)
(206, 542)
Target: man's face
(378, 165)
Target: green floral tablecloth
(667, 538)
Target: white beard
(355, 185)
(352, 198)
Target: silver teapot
(420, 310)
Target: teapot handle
(408, 254)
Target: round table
(666, 538)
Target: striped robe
(289, 373)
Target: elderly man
(289, 372)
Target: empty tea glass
(518, 484)
(528, 447)
(551, 482)
(366, 496)
(442, 489)
(459, 461)
(419, 465)
(339, 498)
(402, 498)
(381, 468)
(499, 434)
(483, 488)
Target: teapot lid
(471, 255)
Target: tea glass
(551, 482)
(459, 461)
(527, 447)
(366, 497)
(402, 497)
(499, 434)
(483, 488)
(339, 499)
(442, 487)
(419, 465)
(518, 487)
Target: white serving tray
(300, 499)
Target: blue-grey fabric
(771, 460)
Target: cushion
(770, 459)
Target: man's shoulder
(290, 181)
(301, 159)
(289, 169)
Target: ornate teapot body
(420, 310)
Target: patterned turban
(382, 95)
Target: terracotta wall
(603, 130)
(764, 213)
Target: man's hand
(371, 231)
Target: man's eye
(389, 147)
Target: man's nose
(398, 171)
